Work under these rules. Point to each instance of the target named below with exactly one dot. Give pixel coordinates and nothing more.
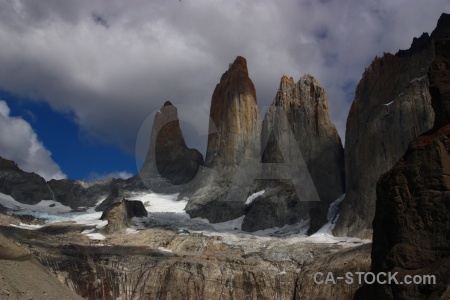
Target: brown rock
(297, 130)
(412, 221)
(119, 215)
(169, 161)
(391, 107)
(6, 164)
(351, 260)
(161, 264)
(235, 115)
(219, 193)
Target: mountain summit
(233, 141)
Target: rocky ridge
(28, 188)
(166, 264)
(392, 106)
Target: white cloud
(117, 174)
(113, 73)
(20, 143)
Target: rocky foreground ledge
(161, 263)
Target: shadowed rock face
(8, 165)
(297, 131)
(25, 187)
(411, 229)
(219, 192)
(77, 193)
(412, 220)
(31, 188)
(439, 74)
(392, 106)
(169, 161)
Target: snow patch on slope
(326, 230)
(45, 206)
(253, 196)
(161, 203)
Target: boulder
(119, 215)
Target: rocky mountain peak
(305, 92)
(418, 44)
(297, 129)
(233, 141)
(168, 159)
(286, 93)
(411, 227)
(392, 106)
(442, 28)
(8, 165)
(286, 81)
(235, 117)
(239, 66)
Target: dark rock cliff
(30, 188)
(24, 187)
(411, 229)
(392, 106)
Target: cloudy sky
(78, 78)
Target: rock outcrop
(30, 188)
(168, 264)
(412, 220)
(119, 215)
(79, 193)
(24, 187)
(392, 106)
(169, 162)
(340, 263)
(411, 229)
(115, 195)
(219, 192)
(22, 277)
(297, 131)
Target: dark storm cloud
(144, 53)
(100, 20)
